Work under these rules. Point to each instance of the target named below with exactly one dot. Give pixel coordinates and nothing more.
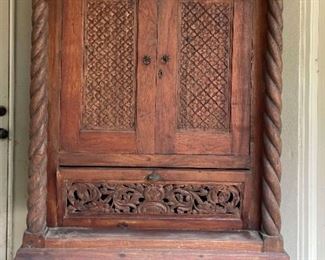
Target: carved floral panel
(205, 65)
(110, 65)
(153, 199)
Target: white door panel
(4, 123)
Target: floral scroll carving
(154, 199)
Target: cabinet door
(204, 66)
(108, 89)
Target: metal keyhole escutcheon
(146, 60)
(165, 59)
(153, 177)
(160, 74)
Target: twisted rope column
(37, 179)
(271, 219)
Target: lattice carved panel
(205, 65)
(156, 199)
(110, 68)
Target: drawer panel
(151, 198)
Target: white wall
(290, 121)
(321, 135)
(290, 125)
(23, 43)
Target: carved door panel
(108, 89)
(203, 93)
(155, 77)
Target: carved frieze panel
(110, 64)
(205, 65)
(86, 199)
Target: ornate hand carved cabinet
(155, 130)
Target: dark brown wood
(257, 107)
(55, 16)
(148, 160)
(146, 91)
(166, 94)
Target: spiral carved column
(37, 179)
(271, 219)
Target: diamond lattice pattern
(110, 73)
(205, 52)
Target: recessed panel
(205, 65)
(109, 92)
(151, 197)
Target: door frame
(7, 122)
(308, 135)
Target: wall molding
(10, 191)
(307, 132)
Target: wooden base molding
(86, 243)
(175, 254)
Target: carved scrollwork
(156, 199)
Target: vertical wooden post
(271, 218)
(37, 179)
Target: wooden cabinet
(147, 115)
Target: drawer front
(151, 198)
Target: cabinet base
(81, 253)
(72, 243)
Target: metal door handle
(4, 134)
(3, 111)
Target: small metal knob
(4, 133)
(146, 60)
(165, 59)
(3, 111)
(153, 177)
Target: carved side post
(37, 179)
(271, 218)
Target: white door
(4, 124)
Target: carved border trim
(271, 218)
(37, 178)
